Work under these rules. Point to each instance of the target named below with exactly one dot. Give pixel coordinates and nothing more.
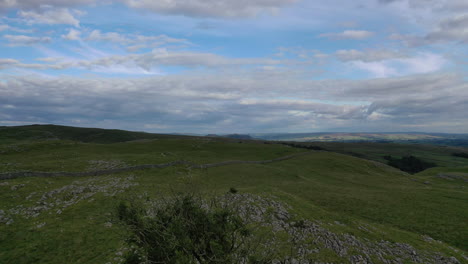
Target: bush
(409, 164)
(184, 230)
(303, 146)
(461, 155)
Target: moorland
(66, 194)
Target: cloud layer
(236, 66)
(195, 8)
(234, 103)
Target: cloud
(349, 24)
(96, 35)
(50, 16)
(456, 5)
(226, 103)
(405, 65)
(441, 5)
(151, 63)
(22, 40)
(15, 29)
(6, 63)
(348, 34)
(191, 8)
(134, 42)
(162, 57)
(422, 86)
(135, 63)
(192, 59)
(34, 4)
(452, 29)
(368, 55)
(73, 34)
(201, 8)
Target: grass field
(72, 220)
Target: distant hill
(234, 136)
(55, 132)
(60, 199)
(460, 140)
(338, 201)
(239, 136)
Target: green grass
(41, 132)
(323, 186)
(441, 155)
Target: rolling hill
(351, 208)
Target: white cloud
(96, 35)
(348, 34)
(421, 63)
(202, 8)
(6, 63)
(15, 29)
(22, 40)
(162, 57)
(238, 103)
(144, 63)
(134, 42)
(368, 55)
(72, 34)
(35, 4)
(193, 8)
(447, 5)
(50, 16)
(376, 69)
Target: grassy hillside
(358, 203)
(54, 132)
(440, 155)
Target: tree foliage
(184, 230)
(461, 154)
(410, 164)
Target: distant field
(441, 155)
(419, 138)
(344, 190)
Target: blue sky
(199, 66)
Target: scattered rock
(95, 165)
(16, 187)
(305, 238)
(68, 195)
(453, 176)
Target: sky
(244, 66)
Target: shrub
(184, 230)
(409, 164)
(461, 155)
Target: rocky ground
(289, 240)
(57, 200)
(293, 240)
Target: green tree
(185, 230)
